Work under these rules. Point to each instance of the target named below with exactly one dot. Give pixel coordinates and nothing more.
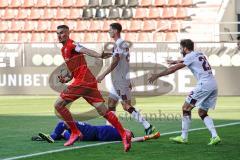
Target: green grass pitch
(24, 116)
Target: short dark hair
(63, 26)
(188, 43)
(116, 26)
(238, 37)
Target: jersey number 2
(206, 66)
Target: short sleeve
(188, 59)
(78, 47)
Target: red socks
(112, 118)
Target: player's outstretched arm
(172, 62)
(168, 71)
(114, 63)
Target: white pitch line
(102, 143)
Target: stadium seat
(22, 13)
(100, 13)
(4, 26)
(106, 3)
(67, 3)
(80, 3)
(43, 25)
(10, 37)
(37, 37)
(75, 13)
(93, 3)
(144, 37)
(95, 26)
(82, 26)
(28, 3)
(89, 37)
(127, 13)
(15, 4)
(167, 13)
(175, 26)
(41, 3)
(125, 24)
(35, 14)
(160, 3)
(132, 3)
(62, 13)
(158, 37)
(72, 24)
(135, 25)
(103, 37)
(54, 24)
(173, 3)
(187, 3)
(4, 4)
(29, 26)
(181, 13)
(149, 25)
(23, 37)
(154, 13)
(171, 37)
(146, 3)
(129, 36)
(54, 3)
(48, 13)
(9, 14)
(106, 25)
(76, 36)
(114, 13)
(50, 37)
(87, 13)
(162, 25)
(16, 26)
(141, 13)
(119, 3)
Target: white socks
(209, 124)
(136, 115)
(186, 120)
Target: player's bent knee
(202, 114)
(186, 113)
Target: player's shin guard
(210, 125)
(186, 121)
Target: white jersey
(201, 69)
(120, 74)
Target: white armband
(78, 47)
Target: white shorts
(120, 92)
(202, 98)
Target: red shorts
(89, 91)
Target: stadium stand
(138, 17)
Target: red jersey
(76, 63)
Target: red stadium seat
(3, 26)
(103, 37)
(82, 25)
(43, 25)
(80, 3)
(75, 13)
(146, 3)
(173, 3)
(76, 36)
(89, 37)
(167, 13)
(149, 25)
(144, 37)
(4, 4)
(181, 13)
(135, 25)
(162, 25)
(68, 3)
(9, 14)
(141, 13)
(158, 37)
(175, 26)
(37, 37)
(154, 13)
(22, 13)
(41, 3)
(160, 3)
(131, 37)
(16, 26)
(48, 13)
(54, 24)
(95, 26)
(11, 37)
(29, 25)
(54, 3)
(50, 37)
(28, 3)
(72, 24)
(15, 4)
(62, 13)
(35, 14)
(187, 3)
(23, 37)
(171, 37)
(106, 25)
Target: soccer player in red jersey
(83, 85)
